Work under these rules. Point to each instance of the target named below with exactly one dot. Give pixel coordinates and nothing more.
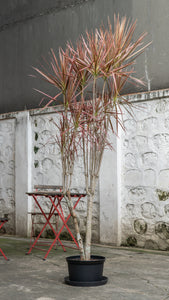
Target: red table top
(54, 193)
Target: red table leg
(64, 225)
(52, 210)
(55, 208)
(2, 222)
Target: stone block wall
(145, 173)
(28, 157)
(47, 169)
(131, 206)
(7, 173)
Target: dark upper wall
(14, 11)
(28, 29)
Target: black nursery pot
(84, 272)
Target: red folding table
(2, 222)
(55, 199)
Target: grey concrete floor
(133, 274)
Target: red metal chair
(55, 199)
(2, 222)
(35, 214)
(35, 221)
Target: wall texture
(145, 173)
(47, 169)
(132, 200)
(29, 157)
(7, 171)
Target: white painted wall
(7, 172)
(145, 173)
(132, 199)
(47, 169)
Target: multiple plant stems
(102, 59)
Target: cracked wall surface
(7, 174)
(145, 176)
(131, 206)
(47, 168)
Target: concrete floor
(133, 274)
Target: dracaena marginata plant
(103, 62)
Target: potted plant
(103, 62)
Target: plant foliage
(102, 60)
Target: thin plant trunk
(92, 179)
(67, 180)
(75, 221)
(67, 168)
(89, 226)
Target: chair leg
(2, 222)
(3, 254)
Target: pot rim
(96, 259)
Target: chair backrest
(3, 219)
(58, 188)
(48, 187)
